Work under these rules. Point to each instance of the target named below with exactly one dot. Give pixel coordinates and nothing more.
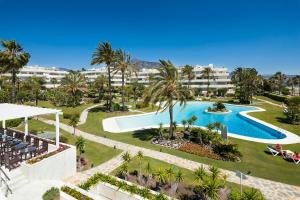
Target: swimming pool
(239, 124)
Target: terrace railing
(4, 179)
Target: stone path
(84, 114)
(270, 189)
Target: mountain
(145, 64)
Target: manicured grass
(94, 152)
(188, 175)
(64, 109)
(255, 159)
(268, 99)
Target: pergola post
(57, 130)
(26, 125)
(3, 124)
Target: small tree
(184, 122)
(293, 110)
(140, 157)
(160, 130)
(178, 179)
(126, 157)
(80, 146)
(191, 121)
(74, 122)
(149, 171)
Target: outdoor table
(20, 146)
(28, 150)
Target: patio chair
(44, 148)
(272, 150)
(11, 162)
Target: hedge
(74, 193)
(276, 97)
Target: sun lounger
(272, 150)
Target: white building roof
(14, 111)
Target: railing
(5, 180)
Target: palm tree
(105, 54)
(126, 157)
(170, 173)
(74, 119)
(215, 172)
(291, 82)
(297, 82)
(200, 174)
(167, 90)
(35, 85)
(125, 67)
(188, 71)
(80, 146)
(160, 130)
(100, 83)
(149, 171)
(160, 175)
(75, 84)
(124, 170)
(53, 81)
(178, 179)
(12, 59)
(140, 157)
(207, 73)
(211, 188)
(279, 79)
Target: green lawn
(188, 175)
(268, 99)
(95, 153)
(64, 109)
(254, 158)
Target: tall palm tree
(188, 71)
(35, 85)
(207, 73)
(75, 84)
(297, 82)
(105, 54)
(12, 59)
(291, 82)
(125, 67)
(167, 90)
(279, 79)
(100, 84)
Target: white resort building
(220, 80)
(47, 73)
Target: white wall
(55, 167)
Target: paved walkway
(84, 114)
(270, 189)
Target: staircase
(11, 181)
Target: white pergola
(14, 111)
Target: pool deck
(110, 125)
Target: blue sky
(259, 33)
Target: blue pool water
(235, 122)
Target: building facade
(47, 73)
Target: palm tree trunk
(14, 86)
(171, 135)
(109, 87)
(36, 99)
(123, 91)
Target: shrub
(200, 135)
(51, 194)
(293, 110)
(227, 150)
(142, 104)
(276, 97)
(13, 122)
(219, 106)
(74, 193)
(70, 115)
(199, 151)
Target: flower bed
(74, 193)
(132, 189)
(199, 150)
(39, 158)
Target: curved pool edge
(110, 125)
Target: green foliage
(51, 194)
(276, 97)
(248, 194)
(133, 189)
(70, 115)
(293, 110)
(13, 123)
(227, 150)
(74, 193)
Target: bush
(199, 135)
(276, 97)
(142, 104)
(293, 110)
(52, 194)
(74, 193)
(13, 123)
(227, 150)
(219, 106)
(70, 115)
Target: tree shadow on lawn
(145, 135)
(98, 109)
(282, 120)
